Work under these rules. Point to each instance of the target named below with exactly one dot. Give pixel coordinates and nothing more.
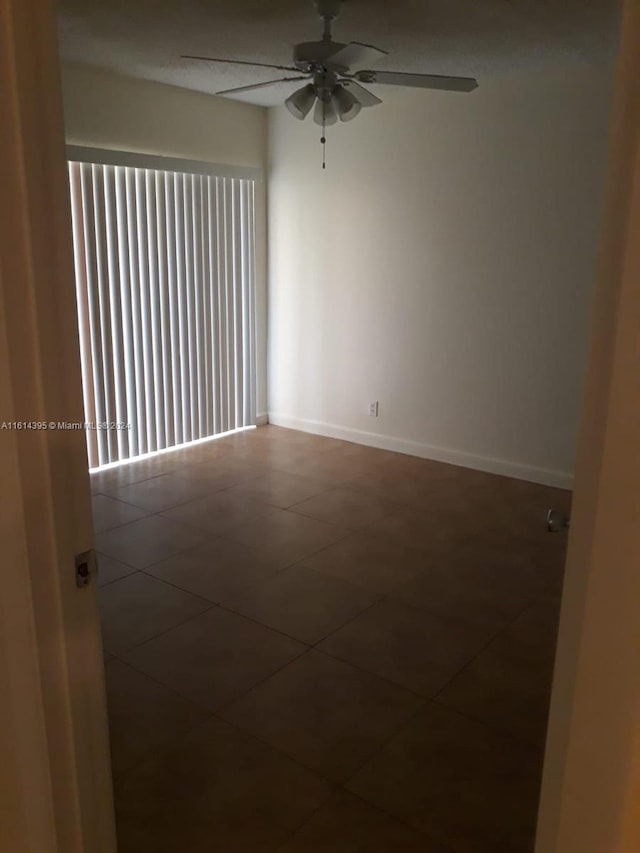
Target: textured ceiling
(144, 38)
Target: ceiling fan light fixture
(299, 104)
(336, 71)
(345, 104)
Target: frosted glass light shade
(330, 115)
(299, 104)
(345, 104)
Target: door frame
(55, 775)
(55, 779)
(590, 798)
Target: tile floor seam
(423, 703)
(146, 566)
(113, 498)
(201, 544)
(369, 672)
(276, 506)
(182, 622)
(175, 585)
(154, 678)
(259, 683)
(497, 729)
(120, 526)
(321, 520)
(297, 559)
(377, 750)
(161, 684)
(210, 600)
(132, 483)
(174, 739)
(172, 506)
(115, 580)
(159, 512)
(347, 621)
(374, 807)
(116, 526)
(479, 723)
(251, 586)
(255, 621)
(279, 750)
(173, 556)
(145, 518)
(415, 608)
(169, 584)
(120, 777)
(484, 648)
(428, 703)
(227, 606)
(332, 485)
(361, 528)
(222, 606)
(304, 822)
(386, 739)
(444, 847)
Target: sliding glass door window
(164, 265)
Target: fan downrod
(328, 8)
(328, 11)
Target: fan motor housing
(313, 53)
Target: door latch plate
(85, 567)
(557, 521)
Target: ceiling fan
(335, 72)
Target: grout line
(163, 684)
(115, 580)
(383, 746)
(496, 728)
(481, 651)
(218, 605)
(175, 586)
(311, 645)
(219, 711)
(444, 848)
(182, 622)
(281, 845)
(377, 748)
(370, 674)
(499, 734)
(166, 744)
(208, 493)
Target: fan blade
(259, 85)
(364, 97)
(355, 55)
(242, 62)
(420, 81)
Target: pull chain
(323, 138)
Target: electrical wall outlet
(373, 409)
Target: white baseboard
(504, 467)
(262, 419)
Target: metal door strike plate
(85, 568)
(557, 521)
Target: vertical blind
(164, 266)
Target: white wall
(105, 110)
(443, 265)
(108, 110)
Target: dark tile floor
(316, 646)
